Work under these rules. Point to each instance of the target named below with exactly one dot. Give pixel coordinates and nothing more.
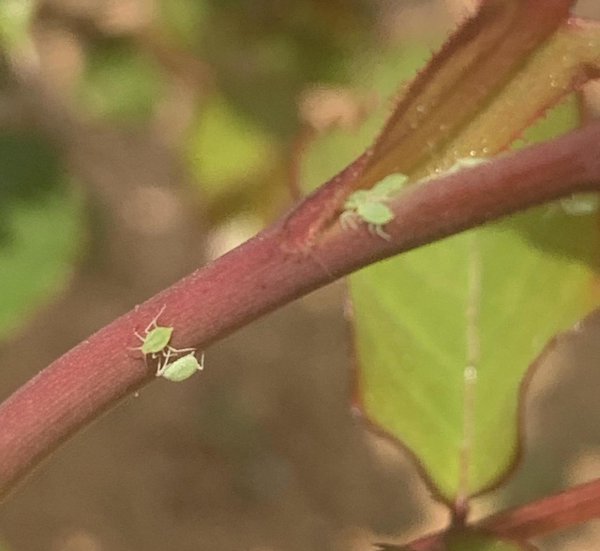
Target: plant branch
(574, 506)
(282, 263)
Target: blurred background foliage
(218, 81)
(235, 89)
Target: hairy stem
(299, 253)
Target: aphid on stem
(155, 343)
(155, 337)
(369, 205)
(180, 369)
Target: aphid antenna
(154, 322)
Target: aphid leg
(377, 229)
(156, 355)
(164, 357)
(131, 348)
(178, 351)
(348, 220)
(138, 348)
(162, 364)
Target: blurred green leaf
(183, 20)
(119, 83)
(29, 170)
(39, 224)
(15, 17)
(412, 331)
(225, 148)
(39, 258)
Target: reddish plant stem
(284, 262)
(574, 506)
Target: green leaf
(445, 334)
(411, 312)
(412, 330)
(493, 78)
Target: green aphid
(389, 186)
(155, 339)
(368, 205)
(180, 369)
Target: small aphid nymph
(181, 369)
(155, 339)
(369, 205)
